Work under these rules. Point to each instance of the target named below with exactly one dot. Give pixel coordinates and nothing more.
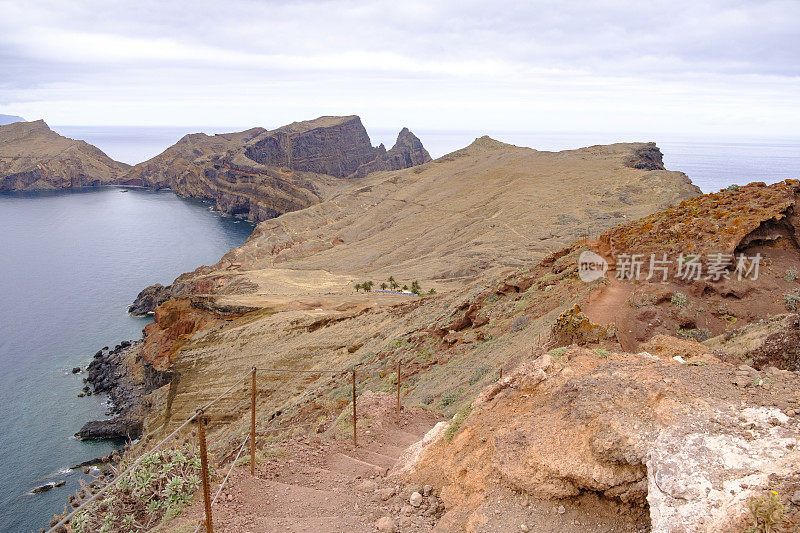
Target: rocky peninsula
(34, 157)
(260, 174)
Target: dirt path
(321, 483)
(609, 304)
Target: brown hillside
(32, 156)
(260, 174)
(752, 220)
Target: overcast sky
(728, 68)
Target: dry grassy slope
(469, 215)
(475, 212)
(32, 156)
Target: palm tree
(367, 285)
(393, 283)
(383, 286)
(405, 287)
(415, 287)
(358, 287)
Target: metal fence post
(355, 443)
(398, 391)
(253, 425)
(201, 434)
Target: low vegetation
(556, 353)
(157, 489)
(767, 512)
(679, 299)
(792, 301)
(458, 419)
(602, 352)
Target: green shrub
(556, 353)
(767, 512)
(679, 299)
(792, 301)
(791, 275)
(602, 352)
(698, 334)
(448, 398)
(458, 419)
(158, 488)
(478, 374)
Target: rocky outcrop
(772, 342)
(34, 157)
(126, 378)
(259, 174)
(150, 298)
(648, 157)
(407, 152)
(574, 327)
(638, 429)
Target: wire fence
(200, 417)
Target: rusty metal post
(253, 425)
(355, 443)
(398, 391)
(201, 434)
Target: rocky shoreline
(126, 378)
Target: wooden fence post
(398, 391)
(355, 443)
(253, 425)
(201, 433)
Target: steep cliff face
(260, 174)
(32, 157)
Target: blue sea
(70, 264)
(72, 261)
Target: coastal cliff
(260, 174)
(34, 157)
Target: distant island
(10, 119)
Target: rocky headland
(34, 157)
(260, 174)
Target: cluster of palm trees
(392, 284)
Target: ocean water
(70, 264)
